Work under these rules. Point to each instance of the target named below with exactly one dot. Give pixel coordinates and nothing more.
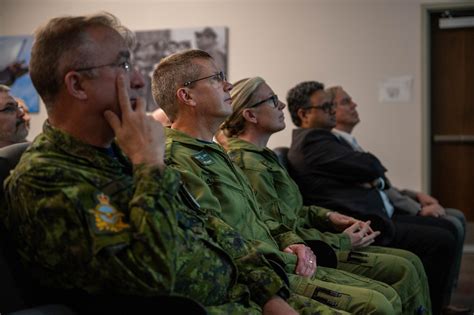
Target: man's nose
(20, 112)
(137, 81)
(228, 86)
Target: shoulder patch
(107, 218)
(203, 158)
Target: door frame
(426, 10)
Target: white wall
(353, 43)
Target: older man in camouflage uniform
(88, 215)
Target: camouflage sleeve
(315, 216)
(81, 238)
(254, 270)
(192, 177)
(269, 202)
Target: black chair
(20, 294)
(15, 285)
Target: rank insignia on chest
(107, 218)
(203, 158)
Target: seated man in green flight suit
(109, 217)
(194, 94)
(257, 114)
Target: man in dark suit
(404, 202)
(330, 173)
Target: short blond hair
(170, 74)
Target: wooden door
(452, 115)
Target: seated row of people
(192, 91)
(257, 115)
(106, 200)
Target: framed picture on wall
(153, 45)
(18, 49)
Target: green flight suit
(281, 200)
(85, 218)
(221, 188)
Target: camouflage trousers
(348, 292)
(374, 280)
(409, 280)
(304, 305)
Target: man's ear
(301, 113)
(73, 81)
(185, 97)
(249, 115)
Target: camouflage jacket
(87, 219)
(279, 195)
(221, 188)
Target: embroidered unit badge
(107, 218)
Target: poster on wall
(153, 45)
(17, 49)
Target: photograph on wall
(153, 45)
(16, 50)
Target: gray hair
(62, 45)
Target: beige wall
(354, 43)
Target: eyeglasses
(12, 109)
(125, 65)
(273, 98)
(326, 107)
(220, 77)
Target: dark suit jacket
(329, 173)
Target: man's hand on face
(140, 137)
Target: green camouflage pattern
(221, 188)
(84, 219)
(401, 269)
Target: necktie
(388, 207)
(356, 145)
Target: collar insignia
(203, 158)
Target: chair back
(12, 297)
(282, 154)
